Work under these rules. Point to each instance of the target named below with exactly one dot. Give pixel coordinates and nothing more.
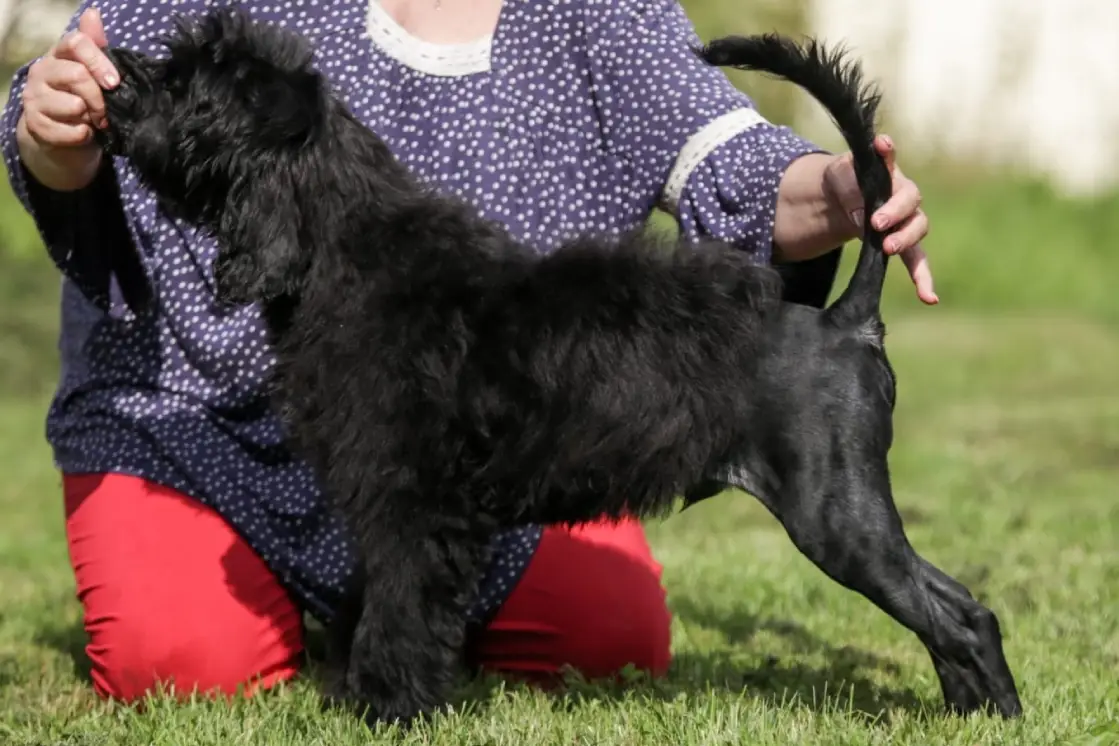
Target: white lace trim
(445, 60)
(702, 144)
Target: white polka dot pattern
(571, 127)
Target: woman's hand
(902, 210)
(62, 102)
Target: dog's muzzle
(122, 103)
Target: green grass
(1005, 467)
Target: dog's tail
(838, 85)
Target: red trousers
(172, 594)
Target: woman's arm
(62, 101)
(57, 173)
(728, 173)
(809, 221)
(56, 169)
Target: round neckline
(432, 58)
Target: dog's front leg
(340, 638)
(409, 639)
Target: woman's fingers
(63, 90)
(905, 203)
(54, 133)
(79, 47)
(65, 107)
(917, 262)
(910, 233)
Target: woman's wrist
(809, 220)
(58, 169)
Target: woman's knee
(132, 657)
(602, 645)
(591, 600)
(621, 612)
(172, 596)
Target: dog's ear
(290, 107)
(261, 257)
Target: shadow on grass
(837, 687)
(70, 640)
(9, 671)
(816, 675)
(842, 684)
(840, 678)
(834, 687)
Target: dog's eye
(257, 98)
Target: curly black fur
(446, 381)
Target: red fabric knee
(172, 594)
(590, 599)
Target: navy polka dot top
(574, 116)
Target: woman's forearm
(58, 169)
(809, 221)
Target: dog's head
(224, 130)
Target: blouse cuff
(85, 231)
(725, 180)
(13, 110)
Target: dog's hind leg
(844, 519)
(962, 691)
(410, 634)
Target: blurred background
(1006, 455)
(1006, 114)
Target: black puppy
(446, 381)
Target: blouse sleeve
(664, 109)
(86, 232)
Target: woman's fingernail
(857, 218)
(881, 221)
(111, 79)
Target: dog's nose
(122, 102)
